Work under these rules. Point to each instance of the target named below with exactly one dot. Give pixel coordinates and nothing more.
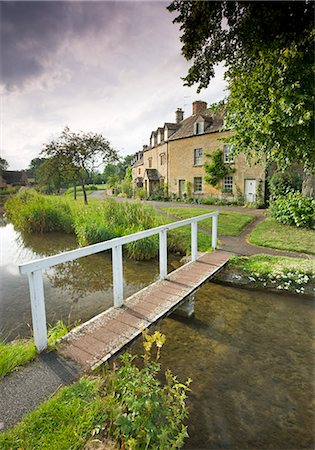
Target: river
(248, 352)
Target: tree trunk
(84, 194)
(74, 190)
(308, 186)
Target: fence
(35, 268)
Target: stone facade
(178, 152)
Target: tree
(3, 164)
(268, 54)
(79, 154)
(50, 173)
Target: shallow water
(74, 292)
(249, 355)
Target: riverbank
(272, 273)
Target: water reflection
(74, 291)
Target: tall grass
(31, 212)
(99, 221)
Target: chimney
(199, 106)
(179, 115)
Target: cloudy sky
(104, 66)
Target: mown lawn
(283, 237)
(230, 223)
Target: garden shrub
(283, 182)
(294, 209)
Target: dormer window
(152, 140)
(199, 127)
(226, 154)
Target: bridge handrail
(34, 268)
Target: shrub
(294, 209)
(283, 182)
(144, 414)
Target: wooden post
(117, 276)
(194, 240)
(214, 231)
(38, 309)
(163, 254)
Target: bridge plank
(97, 340)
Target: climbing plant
(216, 169)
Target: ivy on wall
(216, 169)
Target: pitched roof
(213, 123)
(14, 176)
(152, 174)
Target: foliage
(267, 48)
(9, 190)
(78, 154)
(280, 183)
(294, 209)
(140, 194)
(89, 187)
(145, 414)
(216, 170)
(50, 173)
(3, 164)
(31, 212)
(273, 234)
(188, 188)
(277, 272)
(129, 404)
(15, 354)
(55, 333)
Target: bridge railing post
(214, 231)
(194, 241)
(118, 280)
(38, 309)
(163, 254)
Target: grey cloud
(32, 31)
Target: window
(198, 157)
(165, 134)
(139, 171)
(228, 183)
(226, 151)
(152, 141)
(162, 159)
(198, 184)
(150, 162)
(199, 127)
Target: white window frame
(228, 182)
(226, 151)
(199, 190)
(198, 156)
(199, 127)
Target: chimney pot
(199, 106)
(179, 115)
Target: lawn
(283, 237)
(230, 223)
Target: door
(250, 190)
(181, 188)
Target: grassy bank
(31, 212)
(229, 223)
(126, 407)
(276, 272)
(21, 351)
(283, 237)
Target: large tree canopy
(267, 48)
(79, 154)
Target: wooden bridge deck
(97, 340)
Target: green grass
(15, 354)
(230, 223)
(63, 422)
(21, 351)
(283, 237)
(266, 264)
